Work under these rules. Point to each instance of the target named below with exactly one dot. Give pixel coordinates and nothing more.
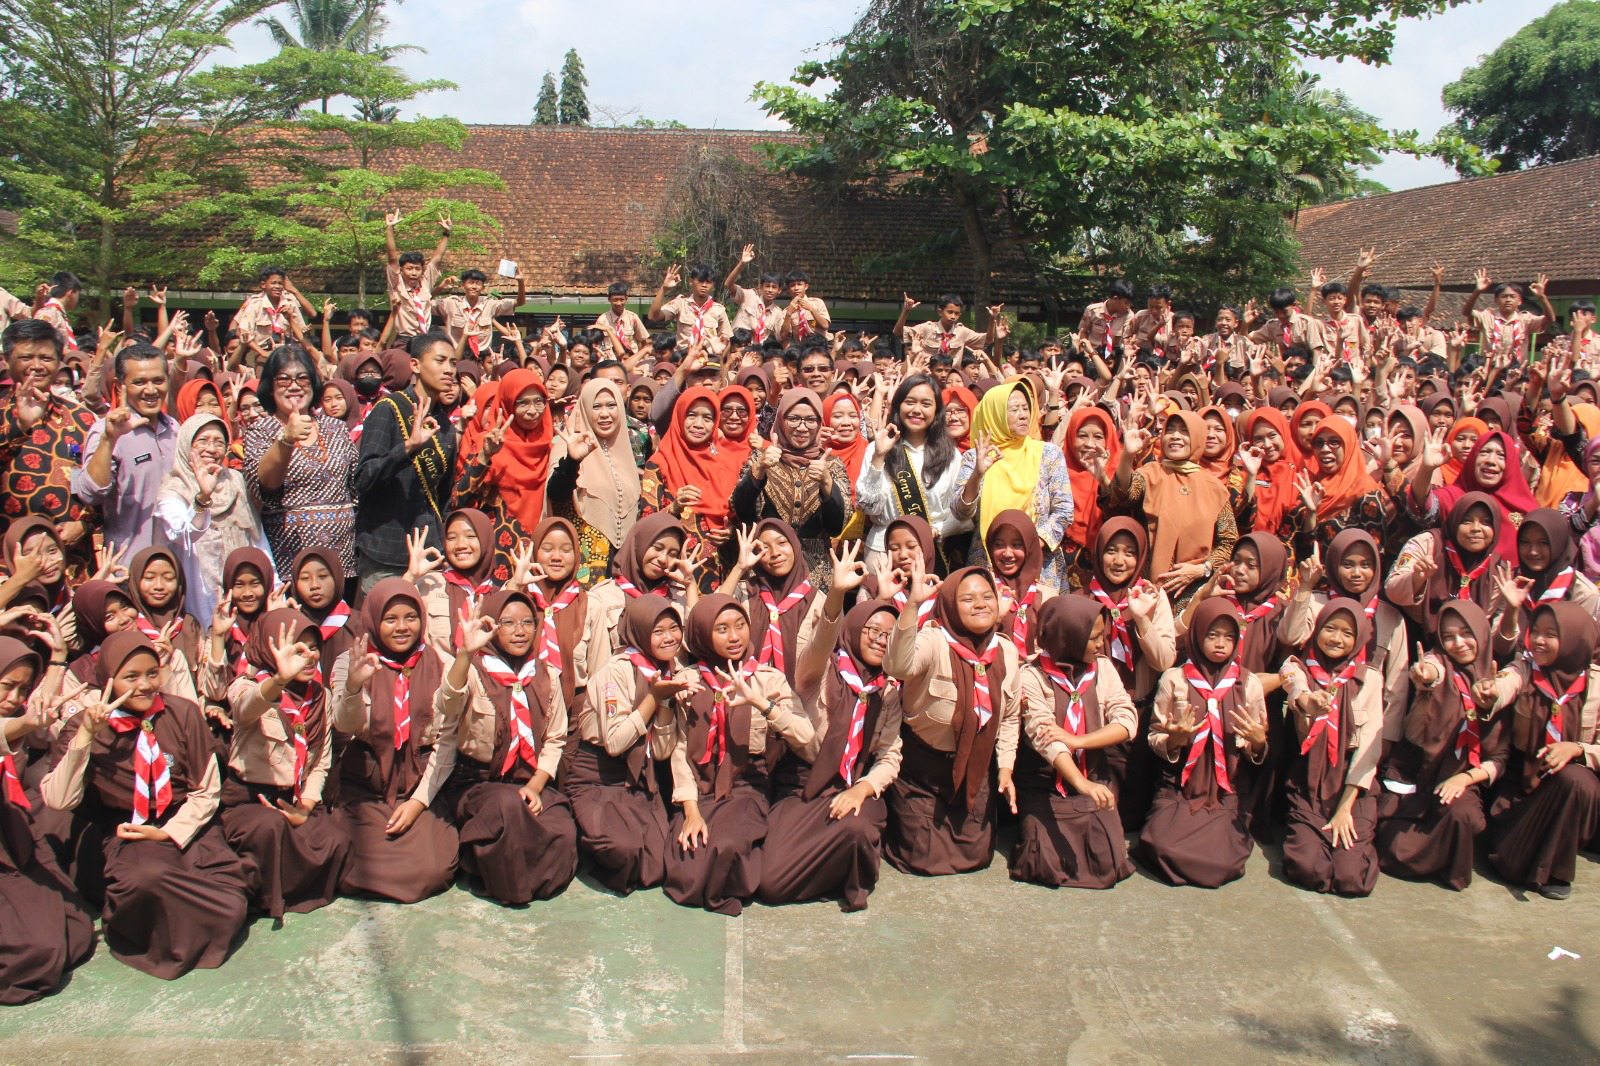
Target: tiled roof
(581, 206)
(1516, 225)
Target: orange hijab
(1181, 501)
(740, 449)
(1452, 466)
(521, 467)
(968, 399)
(1304, 459)
(712, 467)
(1222, 465)
(189, 398)
(1560, 474)
(1275, 491)
(852, 453)
(1351, 481)
(1086, 516)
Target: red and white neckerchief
(858, 716)
(945, 341)
(1261, 610)
(1210, 730)
(149, 628)
(337, 619)
(717, 734)
(771, 653)
(1327, 725)
(1499, 327)
(475, 592)
(12, 783)
(69, 342)
(700, 313)
(628, 587)
(1075, 722)
(402, 693)
(1121, 642)
(1552, 725)
(619, 330)
(1467, 736)
(294, 713)
(1466, 578)
(759, 334)
(1558, 587)
(1019, 628)
(474, 328)
(524, 744)
(275, 318)
(549, 646)
(1351, 348)
(241, 665)
(924, 611)
(1286, 336)
(1109, 342)
(422, 306)
(802, 322)
(982, 698)
(642, 664)
(152, 781)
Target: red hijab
(1304, 459)
(1512, 495)
(739, 448)
(521, 467)
(712, 467)
(968, 399)
(189, 397)
(1086, 516)
(1275, 491)
(852, 453)
(1351, 481)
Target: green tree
(1536, 98)
(1084, 136)
(547, 112)
(138, 116)
(328, 215)
(334, 26)
(574, 91)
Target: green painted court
(961, 969)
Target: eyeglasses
(874, 633)
(532, 405)
(292, 379)
(801, 421)
(517, 627)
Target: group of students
(768, 611)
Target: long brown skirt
(621, 826)
(1535, 836)
(419, 863)
(1133, 772)
(518, 856)
(1203, 848)
(809, 855)
(724, 874)
(1065, 843)
(1311, 861)
(289, 867)
(169, 911)
(45, 926)
(1421, 838)
(927, 834)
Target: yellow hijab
(1010, 482)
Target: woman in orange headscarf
(505, 458)
(1092, 446)
(192, 398)
(1338, 486)
(1269, 449)
(959, 404)
(692, 474)
(1458, 443)
(1303, 423)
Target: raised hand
(1251, 457)
(362, 669)
(445, 224)
(1143, 601)
(494, 436)
(1481, 280)
(1184, 724)
(848, 573)
(31, 405)
(298, 428)
(579, 443)
(421, 557)
(223, 617)
(291, 657)
(743, 691)
(1512, 588)
(423, 427)
(920, 584)
(120, 421)
(393, 218)
(110, 566)
(1311, 569)
(748, 255)
(907, 302)
(751, 550)
(988, 453)
(477, 630)
(674, 276)
(1434, 453)
(1539, 283)
(1425, 673)
(1311, 492)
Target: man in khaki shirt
(1506, 329)
(468, 314)
(759, 310)
(944, 335)
(699, 319)
(411, 281)
(12, 308)
(626, 334)
(1289, 327)
(1103, 325)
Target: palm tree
(334, 26)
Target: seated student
(1210, 729)
(1016, 557)
(944, 335)
(961, 695)
(1335, 699)
(1457, 737)
(456, 580)
(272, 810)
(1070, 834)
(1152, 327)
(719, 771)
(505, 730)
(45, 926)
(156, 589)
(316, 590)
(1549, 806)
(824, 840)
(140, 774)
(385, 694)
(576, 640)
(248, 582)
(625, 729)
(651, 560)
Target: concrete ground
(959, 969)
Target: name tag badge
(140, 460)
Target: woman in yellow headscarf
(1009, 467)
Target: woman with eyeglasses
(504, 459)
(300, 465)
(796, 479)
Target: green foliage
(574, 91)
(547, 112)
(1536, 98)
(1171, 139)
(134, 116)
(327, 214)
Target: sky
(646, 58)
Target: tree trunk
(978, 242)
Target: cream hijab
(607, 496)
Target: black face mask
(367, 385)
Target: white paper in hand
(508, 268)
